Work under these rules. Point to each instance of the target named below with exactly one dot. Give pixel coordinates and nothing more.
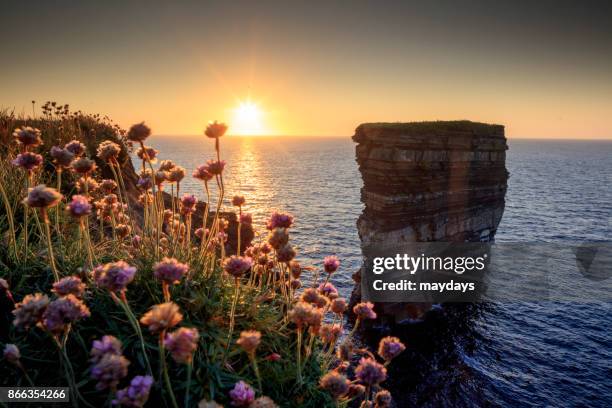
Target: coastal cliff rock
(429, 181)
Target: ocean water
(493, 354)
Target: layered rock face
(430, 181)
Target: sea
(536, 353)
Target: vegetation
(125, 301)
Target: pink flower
(237, 266)
(75, 147)
(331, 264)
(390, 347)
(215, 129)
(188, 203)
(109, 370)
(246, 219)
(249, 340)
(79, 206)
(69, 285)
(106, 345)
(334, 383)
(62, 312)
(238, 201)
(328, 290)
(148, 153)
(170, 270)
(181, 344)
(29, 311)
(83, 165)
(139, 132)
(279, 220)
(201, 173)
(61, 157)
(242, 395)
(215, 167)
(364, 310)
(11, 354)
(28, 161)
(28, 136)
(370, 372)
(108, 151)
(137, 394)
(42, 196)
(114, 276)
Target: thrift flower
(88, 185)
(249, 340)
(301, 313)
(181, 344)
(109, 370)
(263, 402)
(28, 161)
(334, 383)
(370, 372)
(242, 395)
(390, 347)
(215, 167)
(62, 312)
(364, 310)
(237, 266)
(176, 174)
(339, 305)
(328, 290)
(170, 270)
(139, 132)
(215, 129)
(29, 311)
(201, 173)
(162, 317)
(28, 136)
(69, 285)
(238, 201)
(166, 165)
(83, 165)
(278, 238)
(61, 157)
(75, 147)
(331, 264)
(108, 151)
(42, 196)
(137, 394)
(383, 399)
(108, 186)
(329, 333)
(79, 206)
(246, 219)
(279, 220)
(11, 354)
(148, 153)
(106, 345)
(285, 253)
(188, 203)
(114, 276)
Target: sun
(247, 119)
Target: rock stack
(431, 181)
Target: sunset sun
(247, 119)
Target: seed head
(280, 220)
(148, 154)
(238, 201)
(338, 305)
(108, 186)
(285, 254)
(83, 165)
(201, 173)
(278, 238)
(215, 167)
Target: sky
(542, 68)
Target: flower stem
(9, 216)
(134, 322)
(49, 243)
(189, 370)
(162, 362)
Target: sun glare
(247, 120)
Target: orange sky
(317, 70)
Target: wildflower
(300, 313)
(108, 186)
(69, 285)
(176, 174)
(181, 344)
(109, 370)
(148, 153)
(29, 311)
(188, 203)
(170, 270)
(4, 285)
(331, 264)
(296, 269)
(61, 157)
(166, 165)
(215, 167)
(201, 232)
(345, 351)
(106, 345)
(356, 390)
(75, 147)
(278, 238)
(285, 253)
(108, 151)
(79, 206)
(242, 395)
(28, 161)
(42, 196)
(310, 295)
(160, 177)
(162, 317)
(145, 181)
(249, 340)
(62, 312)
(273, 357)
(114, 276)
(329, 333)
(328, 290)
(123, 230)
(265, 248)
(383, 399)
(370, 372)
(137, 394)
(364, 310)
(201, 173)
(136, 241)
(338, 305)
(11, 354)
(336, 384)
(280, 220)
(139, 132)
(263, 402)
(295, 284)
(208, 404)
(87, 185)
(83, 165)
(215, 129)
(237, 266)
(238, 201)
(315, 317)
(390, 347)
(28, 136)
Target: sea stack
(429, 181)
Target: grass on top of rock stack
(108, 290)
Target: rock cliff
(429, 181)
